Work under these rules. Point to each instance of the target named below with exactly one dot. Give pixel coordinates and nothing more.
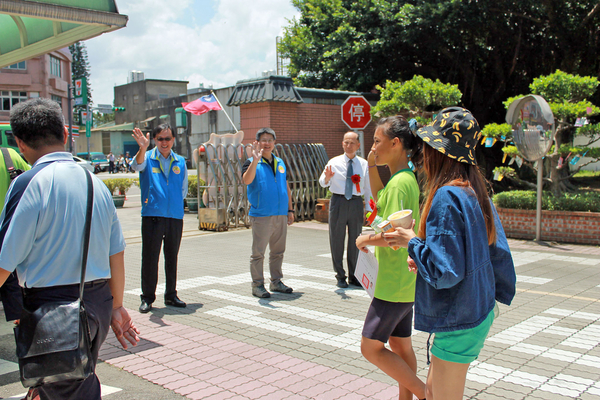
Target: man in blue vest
(270, 213)
(164, 185)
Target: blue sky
(202, 41)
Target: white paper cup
(401, 219)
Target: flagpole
(220, 105)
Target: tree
(80, 67)
(568, 97)
(492, 50)
(415, 97)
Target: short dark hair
(38, 122)
(161, 128)
(262, 131)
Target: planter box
(322, 210)
(557, 226)
(119, 200)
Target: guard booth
(222, 199)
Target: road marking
(527, 257)
(105, 390)
(231, 280)
(532, 279)
(273, 305)
(563, 384)
(6, 367)
(349, 340)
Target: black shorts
(385, 319)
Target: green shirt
(19, 163)
(395, 283)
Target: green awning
(165, 116)
(127, 127)
(32, 28)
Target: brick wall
(559, 226)
(300, 123)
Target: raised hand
(142, 141)
(256, 151)
(371, 158)
(328, 173)
(123, 327)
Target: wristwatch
(291, 211)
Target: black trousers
(98, 303)
(344, 215)
(155, 231)
(12, 298)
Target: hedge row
(526, 200)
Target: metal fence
(224, 194)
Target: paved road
(228, 344)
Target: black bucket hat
(455, 133)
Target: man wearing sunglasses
(164, 185)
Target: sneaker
(341, 283)
(260, 291)
(280, 287)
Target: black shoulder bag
(53, 342)
(10, 166)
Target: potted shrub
(123, 184)
(194, 193)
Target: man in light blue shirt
(164, 185)
(41, 233)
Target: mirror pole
(538, 213)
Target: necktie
(348, 192)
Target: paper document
(366, 271)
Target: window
(20, 65)
(57, 99)
(106, 142)
(34, 95)
(55, 66)
(163, 96)
(136, 98)
(9, 99)
(10, 139)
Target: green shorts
(462, 346)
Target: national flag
(202, 105)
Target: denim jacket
(460, 275)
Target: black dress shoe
(145, 307)
(175, 302)
(354, 281)
(341, 283)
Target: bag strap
(87, 229)
(10, 166)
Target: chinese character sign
(356, 112)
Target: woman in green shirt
(390, 315)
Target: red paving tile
(203, 393)
(185, 390)
(193, 364)
(261, 392)
(180, 383)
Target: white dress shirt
(337, 183)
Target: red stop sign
(356, 112)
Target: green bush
(193, 186)
(123, 184)
(526, 200)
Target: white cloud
(166, 41)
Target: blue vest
(161, 196)
(267, 193)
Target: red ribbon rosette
(356, 180)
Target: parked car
(85, 164)
(98, 160)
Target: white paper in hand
(366, 271)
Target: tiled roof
(270, 88)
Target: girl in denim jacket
(460, 253)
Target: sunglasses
(164, 139)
